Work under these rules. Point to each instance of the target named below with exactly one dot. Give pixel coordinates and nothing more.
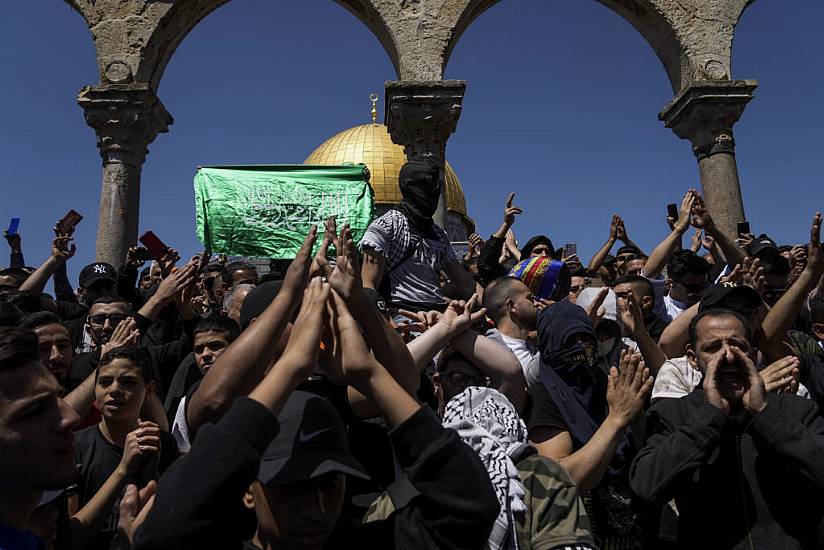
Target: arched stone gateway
(135, 39)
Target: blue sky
(561, 107)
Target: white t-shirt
(417, 279)
(180, 429)
(522, 349)
(665, 308)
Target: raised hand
(170, 287)
(596, 309)
(687, 203)
(615, 225)
(61, 250)
(168, 261)
(133, 257)
(511, 211)
(345, 278)
(627, 388)
(297, 276)
(14, 241)
(475, 242)
(124, 334)
(708, 242)
(142, 446)
(134, 507)
(422, 320)
(780, 375)
(700, 215)
(752, 275)
(815, 256)
(329, 235)
(458, 315)
(629, 312)
(301, 353)
(357, 364)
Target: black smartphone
(672, 210)
(743, 228)
(570, 249)
(69, 221)
(143, 254)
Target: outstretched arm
(599, 257)
(242, 365)
(664, 251)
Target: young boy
(120, 449)
(213, 335)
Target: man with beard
(743, 465)
(35, 435)
(405, 251)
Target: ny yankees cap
(311, 442)
(96, 271)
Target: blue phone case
(13, 225)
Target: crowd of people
(394, 394)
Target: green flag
(266, 211)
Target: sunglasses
(114, 319)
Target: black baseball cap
(311, 442)
(95, 272)
(257, 301)
(609, 259)
(627, 248)
(760, 244)
(715, 294)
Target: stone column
(126, 120)
(704, 113)
(420, 116)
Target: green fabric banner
(266, 211)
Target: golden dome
(371, 145)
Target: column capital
(126, 118)
(705, 112)
(421, 115)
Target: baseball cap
(760, 244)
(609, 259)
(311, 442)
(95, 272)
(257, 301)
(627, 248)
(715, 294)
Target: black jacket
(750, 482)
(444, 500)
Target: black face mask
(421, 189)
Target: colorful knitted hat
(540, 274)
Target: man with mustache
(743, 466)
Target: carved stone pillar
(704, 113)
(126, 119)
(421, 116)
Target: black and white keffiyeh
(487, 421)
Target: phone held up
(743, 228)
(155, 246)
(69, 221)
(672, 210)
(570, 249)
(14, 225)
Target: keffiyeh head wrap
(489, 423)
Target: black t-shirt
(97, 459)
(541, 410)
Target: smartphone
(593, 282)
(14, 225)
(156, 247)
(69, 221)
(743, 228)
(672, 210)
(570, 249)
(143, 254)
(203, 262)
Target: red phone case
(154, 245)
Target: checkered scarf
(489, 423)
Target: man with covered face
(405, 251)
(743, 465)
